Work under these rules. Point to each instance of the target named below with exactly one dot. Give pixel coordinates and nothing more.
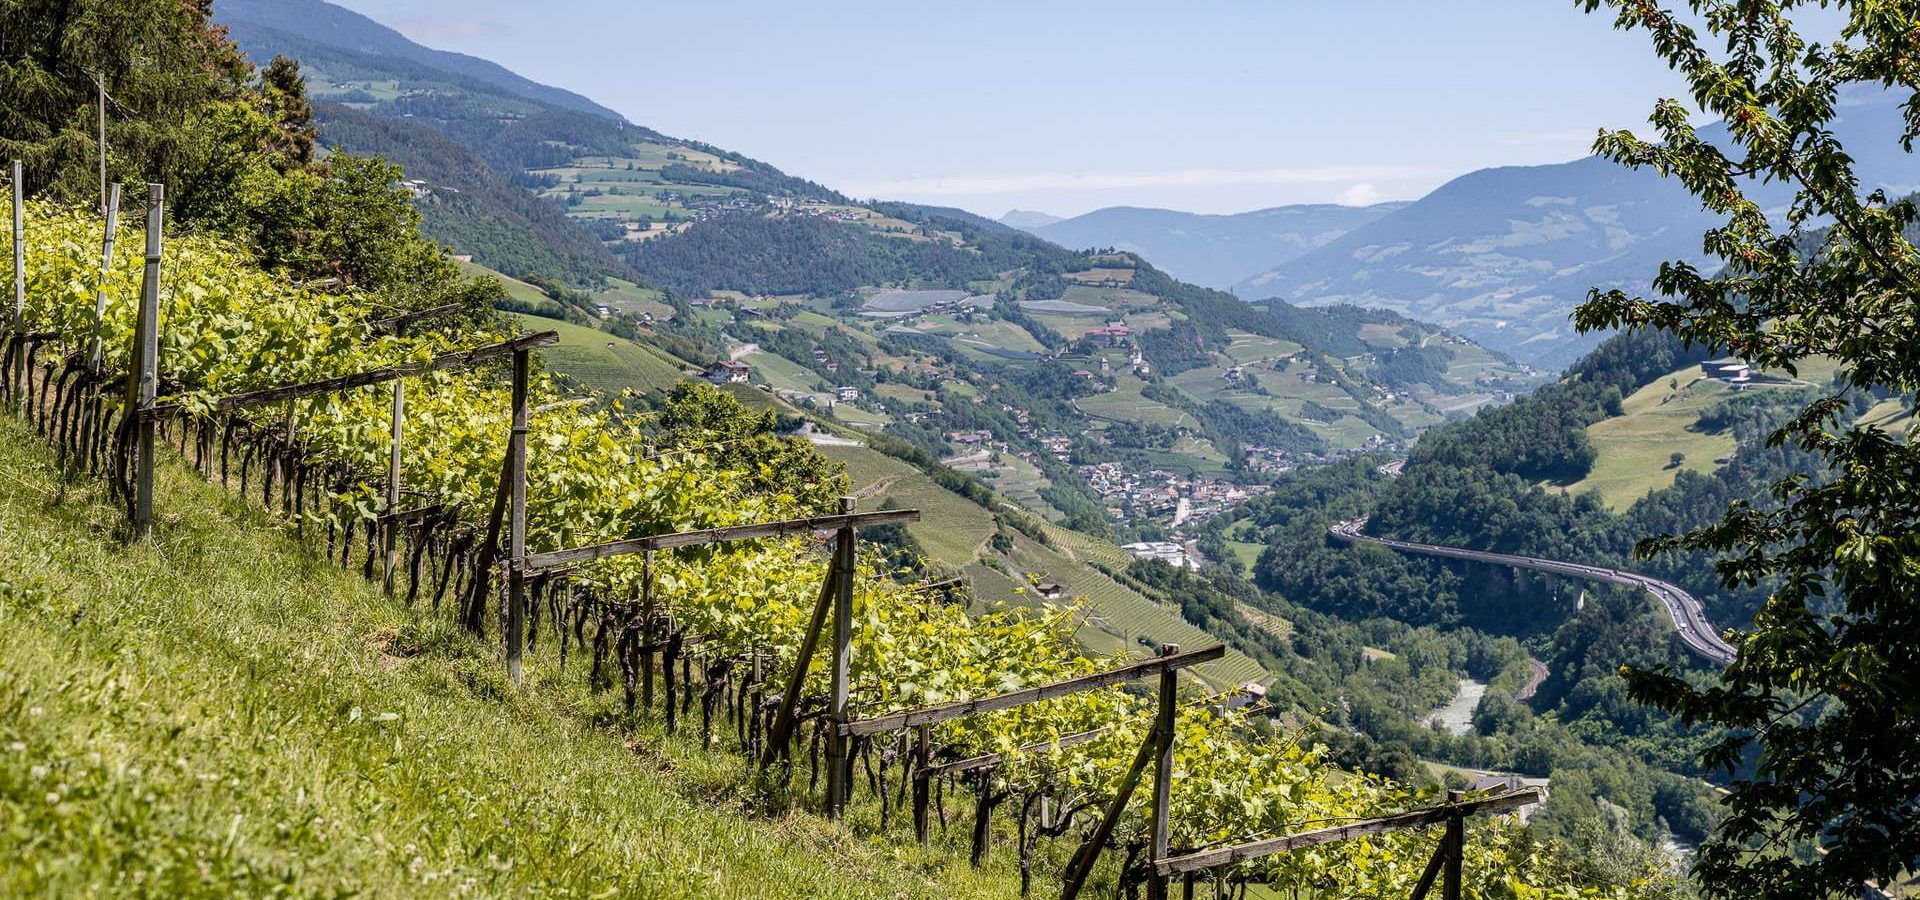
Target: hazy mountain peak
(1029, 219)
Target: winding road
(1688, 618)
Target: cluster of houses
(1279, 460)
(1162, 494)
(815, 209)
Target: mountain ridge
(1211, 250)
(1503, 254)
(351, 30)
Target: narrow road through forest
(1688, 618)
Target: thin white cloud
(1362, 194)
(1025, 182)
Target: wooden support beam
(922, 780)
(396, 441)
(994, 759)
(944, 712)
(1226, 856)
(146, 383)
(455, 360)
(1455, 844)
(815, 525)
(17, 323)
(517, 517)
(1159, 828)
(783, 719)
(1081, 866)
(397, 324)
(839, 744)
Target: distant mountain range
(1216, 251)
(1500, 255)
(1503, 255)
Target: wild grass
(222, 712)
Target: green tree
(1824, 699)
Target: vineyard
(696, 567)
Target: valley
(1363, 447)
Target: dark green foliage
(754, 254)
(1822, 697)
(1403, 367)
(475, 209)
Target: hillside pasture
(1657, 421)
(1127, 405)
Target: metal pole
(100, 82)
(1162, 774)
(96, 355)
(149, 358)
(19, 322)
(840, 771)
(517, 528)
(394, 444)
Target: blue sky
(1067, 107)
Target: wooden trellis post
(395, 441)
(147, 366)
(783, 719)
(922, 779)
(839, 746)
(1162, 771)
(517, 518)
(96, 351)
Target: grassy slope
(1658, 420)
(222, 712)
(585, 354)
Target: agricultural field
(634, 189)
(1657, 420)
(1286, 395)
(951, 527)
(606, 363)
(632, 298)
(783, 373)
(1382, 334)
(1127, 405)
(1660, 419)
(1246, 349)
